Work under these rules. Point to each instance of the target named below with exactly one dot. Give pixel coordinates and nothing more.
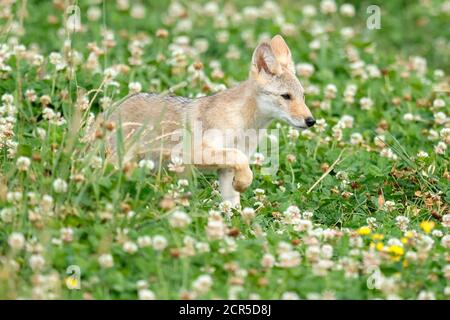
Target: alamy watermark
(73, 280)
(374, 20)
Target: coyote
(149, 121)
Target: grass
(380, 216)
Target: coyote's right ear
(264, 60)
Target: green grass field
(374, 227)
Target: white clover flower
(36, 262)
(293, 134)
(320, 126)
(292, 210)
(372, 222)
(422, 154)
(130, 247)
(59, 186)
(96, 162)
(438, 73)
(46, 202)
(48, 114)
(312, 90)
(106, 260)
(315, 44)
(289, 295)
(135, 87)
(146, 294)
(268, 261)
(225, 207)
(347, 10)
(289, 259)
(418, 64)
(179, 219)
(303, 225)
(304, 70)
(147, 164)
(328, 6)
(215, 229)
(144, 241)
(23, 163)
(437, 233)
(408, 117)
(337, 132)
(94, 13)
(327, 251)
(438, 103)
(8, 99)
(325, 105)
(248, 214)
(141, 284)
(446, 220)
(309, 10)
(346, 121)
(55, 58)
(411, 256)
(356, 138)
(159, 243)
(440, 118)
(308, 215)
(176, 164)
(41, 133)
(366, 103)
(445, 241)
(210, 9)
(347, 33)
(183, 183)
(138, 11)
(330, 91)
(105, 102)
(66, 234)
(388, 153)
(258, 159)
(373, 71)
(402, 222)
(16, 241)
(349, 93)
(14, 196)
(426, 295)
(445, 135)
(389, 206)
(203, 284)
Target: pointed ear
(264, 59)
(281, 51)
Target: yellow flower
(396, 250)
(380, 246)
(72, 283)
(405, 263)
(363, 231)
(377, 236)
(409, 234)
(404, 240)
(427, 226)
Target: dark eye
(286, 96)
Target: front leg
(235, 162)
(226, 178)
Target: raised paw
(242, 179)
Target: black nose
(310, 121)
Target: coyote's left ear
(282, 52)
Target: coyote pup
(150, 121)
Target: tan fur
(149, 121)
